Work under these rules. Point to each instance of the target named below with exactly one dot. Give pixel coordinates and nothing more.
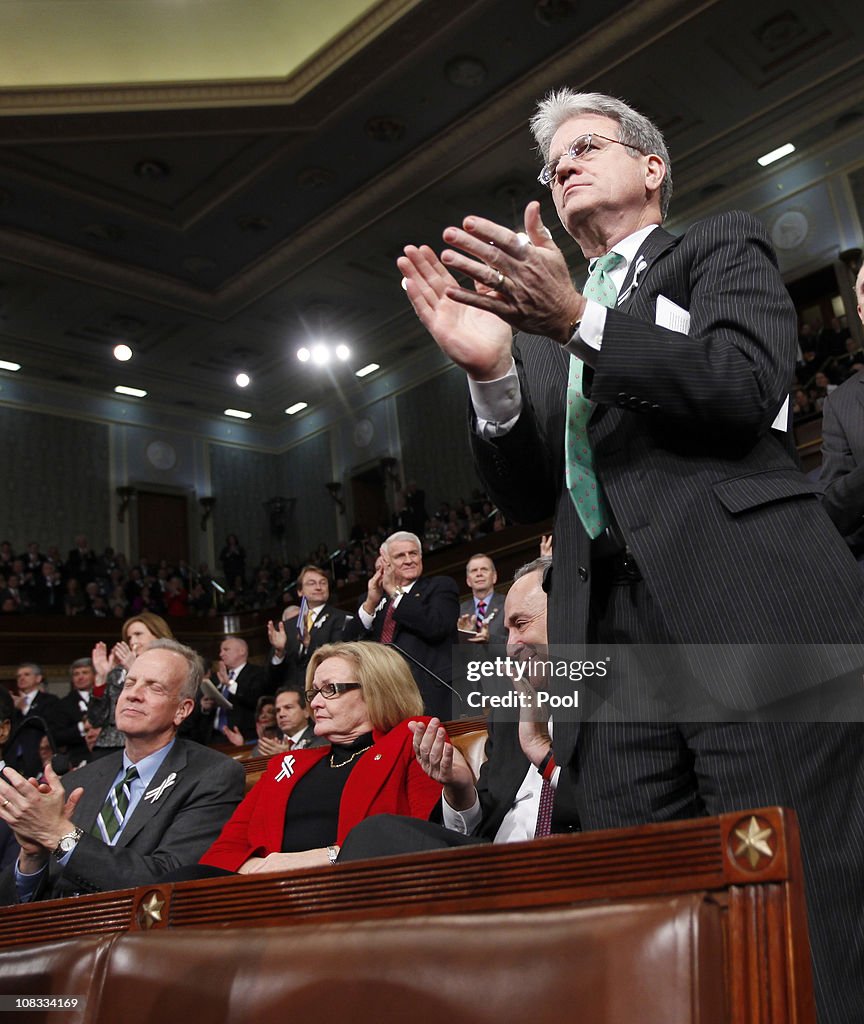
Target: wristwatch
(68, 843)
(332, 853)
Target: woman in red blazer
(362, 696)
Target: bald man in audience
(241, 684)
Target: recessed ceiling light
(304, 355)
(342, 352)
(123, 353)
(364, 371)
(775, 154)
(297, 407)
(121, 389)
(5, 365)
(242, 380)
(320, 354)
(238, 414)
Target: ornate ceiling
(218, 183)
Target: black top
(312, 814)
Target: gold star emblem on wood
(754, 844)
(150, 910)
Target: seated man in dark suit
(127, 818)
(318, 623)
(417, 616)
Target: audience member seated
(127, 818)
(363, 698)
(265, 728)
(136, 635)
(296, 730)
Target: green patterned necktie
(581, 479)
(113, 812)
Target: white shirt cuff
(463, 822)
(589, 336)
(497, 403)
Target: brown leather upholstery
(473, 747)
(677, 923)
(662, 956)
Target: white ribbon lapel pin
(153, 794)
(287, 768)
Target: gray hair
(634, 129)
(81, 663)
(33, 666)
(542, 565)
(399, 536)
(194, 665)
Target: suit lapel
(651, 249)
(101, 776)
(147, 809)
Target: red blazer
(386, 780)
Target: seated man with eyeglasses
(363, 697)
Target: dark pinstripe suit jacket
(707, 496)
(733, 545)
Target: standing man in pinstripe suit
(679, 367)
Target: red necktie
(544, 814)
(388, 629)
(481, 612)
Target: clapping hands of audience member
(233, 735)
(39, 814)
(270, 746)
(276, 637)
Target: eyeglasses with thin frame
(578, 147)
(329, 691)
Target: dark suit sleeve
(729, 374)
(232, 848)
(434, 616)
(64, 724)
(189, 823)
(519, 469)
(841, 479)
(355, 630)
